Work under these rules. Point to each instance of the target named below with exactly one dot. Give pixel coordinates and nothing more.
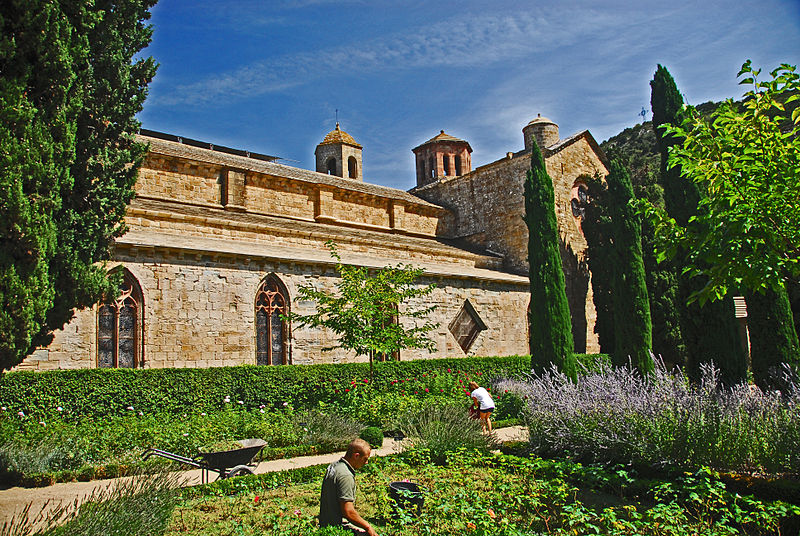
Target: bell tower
(340, 155)
(442, 156)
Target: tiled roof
(337, 136)
(442, 136)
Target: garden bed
(490, 494)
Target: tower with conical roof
(442, 156)
(340, 155)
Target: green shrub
(372, 435)
(441, 430)
(331, 431)
(508, 405)
(140, 506)
(102, 393)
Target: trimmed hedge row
(100, 393)
(104, 392)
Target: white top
(483, 397)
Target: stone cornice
(146, 240)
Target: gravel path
(14, 500)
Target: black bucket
(407, 496)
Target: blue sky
(267, 76)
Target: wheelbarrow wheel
(239, 470)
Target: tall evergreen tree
(597, 229)
(632, 327)
(69, 92)
(773, 339)
(710, 332)
(551, 327)
(636, 148)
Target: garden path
(14, 500)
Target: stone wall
(200, 177)
(488, 205)
(199, 312)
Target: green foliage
(598, 230)
(637, 149)
(498, 495)
(773, 339)
(68, 96)
(550, 322)
(103, 393)
(331, 430)
(744, 231)
(632, 327)
(710, 333)
(364, 311)
(437, 431)
(372, 435)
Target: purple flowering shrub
(615, 415)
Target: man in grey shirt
(338, 497)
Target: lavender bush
(661, 420)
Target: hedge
(101, 393)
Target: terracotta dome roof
(441, 136)
(337, 136)
(540, 119)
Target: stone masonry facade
(210, 231)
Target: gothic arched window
(352, 167)
(119, 327)
(272, 332)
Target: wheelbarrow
(226, 463)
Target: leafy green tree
(364, 310)
(69, 92)
(631, 306)
(710, 333)
(745, 232)
(551, 327)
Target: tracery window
(272, 332)
(579, 200)
(119, 327)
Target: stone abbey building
(220, 239)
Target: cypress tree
(596, 226)
(69, 92)
(551, 327)
(709, 332)
(636, 148)
(773, 339)
(632, 327)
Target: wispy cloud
(459, 42)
